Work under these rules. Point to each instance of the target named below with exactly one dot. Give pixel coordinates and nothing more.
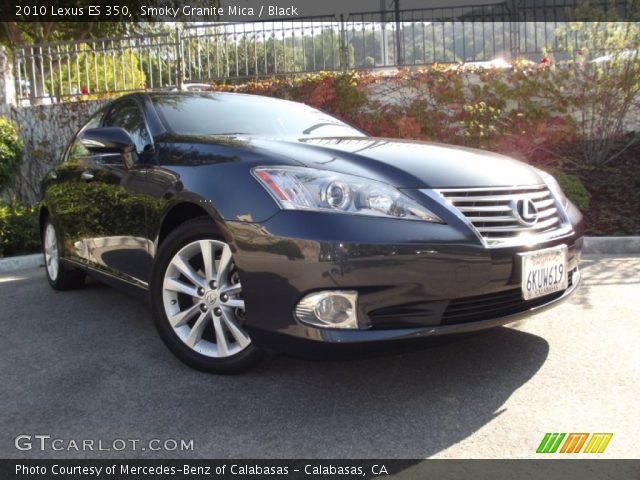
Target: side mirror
(107, 140)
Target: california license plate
(544, 272)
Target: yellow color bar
(598, 442)
(607, 438)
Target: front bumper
(414, 279)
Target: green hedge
(19, 230)
(573, 188)
(11, 152)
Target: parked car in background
(193, 87)
(625, 56)
(24, 87)
(497, 63)
(258, 224)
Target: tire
(60, 276)
(198, 311)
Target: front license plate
(544, 272)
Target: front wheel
(197, 302)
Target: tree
(97, 72)
(218, 52)
(14, 34)
(603, 72)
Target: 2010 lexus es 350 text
(261, 224)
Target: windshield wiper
(318, 125)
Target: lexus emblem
(525, 211)
(211, 297)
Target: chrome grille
(493, 213)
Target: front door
(117, 231)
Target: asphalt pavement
(88, 365)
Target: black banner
(319, 469)
(306, 10)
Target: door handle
(87, 176)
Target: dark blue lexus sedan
(258, 224)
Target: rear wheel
(60, 277)
(197, 301)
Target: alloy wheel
(51, 255)
(202, 298)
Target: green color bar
(543, 443)
(552, 443)
(558, 442)
(547, 448)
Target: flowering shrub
(344, 95)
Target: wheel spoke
(188, 271)
(211, 290)
(231, 289)
(196, 331)
(239, 336)
(221, 339)
(206, 248)
(184, 316)
(176, 285)
(234, 303)
(225, 263)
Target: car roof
(183, 94)
(219, 95)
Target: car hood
(404, 164)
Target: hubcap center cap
(211, 297)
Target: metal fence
(205, 53)
(241, 50)
(58, 70)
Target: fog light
(332, 309)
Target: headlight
(301, 188)
(555, 188)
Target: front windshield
(228, 114)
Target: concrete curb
(611, 245)
(592, 245)
(22, 262)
